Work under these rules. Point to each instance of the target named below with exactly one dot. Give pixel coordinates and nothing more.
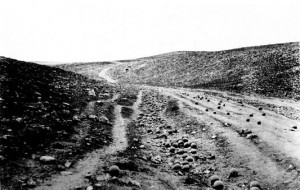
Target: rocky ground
(61, 130)
(49, 119)
(270, 70)
(182, 138)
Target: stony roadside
(46, 121)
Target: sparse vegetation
(271, 70)
(42, 112)
(141, 136)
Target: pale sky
(100, 30)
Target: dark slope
(272, 70)
(37, 108)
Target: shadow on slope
(42, 113)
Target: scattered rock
(244, 133)
(157, 159)
(92, 117)
(78, 187)
(227, 124)
(66, 173)
(47, 159)
(76, 118)
(31, 183)
(251, 136)
(91, 92)
(68, 164)
(19, 119)
(291, 167)
(102, 177)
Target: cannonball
(218, 185)
(233, 173)
(189, 159)
(185, 168)
(177, 167)
(194, 145)
(254, 184)
(114, 170)
(213, 179)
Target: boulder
(47, 159)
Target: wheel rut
(75, 177)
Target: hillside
(43, 113)
(92, 126)
(89, 69)
(271, 70)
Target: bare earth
(230, 132)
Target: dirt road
(261, 132)
(104, 74)
(77, 176)
(256, 136)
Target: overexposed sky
(99, 30)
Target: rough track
(274, 148)
(75, 177)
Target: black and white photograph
(149, 95)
